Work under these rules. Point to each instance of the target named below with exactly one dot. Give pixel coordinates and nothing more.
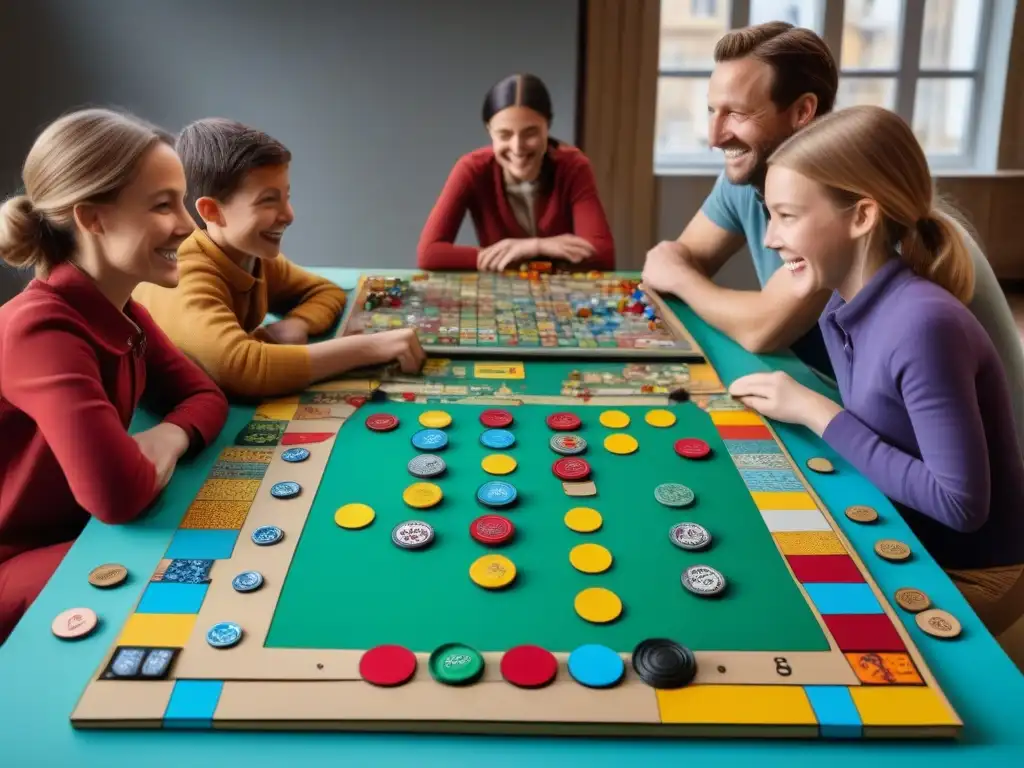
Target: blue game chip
(285, 490)
(497, 493)
(295, 455)
(224, 635)
(247, 581)
(596, 666)
(267, 534)
(430, 440)
(498, 438)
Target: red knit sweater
(571, 206)
(72, 371)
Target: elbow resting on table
(758, 340)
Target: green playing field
(355, 589)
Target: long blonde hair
(870, 152)
(85, 156)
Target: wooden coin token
(890, 549)
(74, 623)
(108, 575)
(818, 464)
(861, 514)
(912, 600)
(938, 623)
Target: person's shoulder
(933, 317)
(476, 161)
(569, 156)
(36, 309)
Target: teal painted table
(41, 677)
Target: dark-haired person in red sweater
(103, 211)
(529, 195)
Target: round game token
(426, 465)
(890, 549)
(689, 536)
(590, 558)
(595, 666)
(861, 514)
(664, 663)
(354, 516)
(497, 493)
(108, 575)
(912, 600)
(703, 580)
(422, 495)
(938, 623)
(492, 571)
(621, 444)
(818, 464)
(614, 419)
(224, 635)
(583, 519)
(673, 495)
(564, 422)
(492, 530)
(288, 490)
(568, 445)
(496, 418)
(529, 666)
(295, 455)
(598, 605)
(659, 417)
(692, 448)
(430, 440)
(381, 422)
(456, 664)
(387, 665)
(266, 535)
(412, 534)
(571, 468)
(74, 623)
(497, 438)
(435, 419)
(247, 581)
(498, 464)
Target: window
(924, 59)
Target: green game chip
(673, 495)
(456, 664)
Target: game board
(600, 315)
(351, 630)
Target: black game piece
(664, 663)
(680, 395)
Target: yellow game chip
(598, 605)
(492, 571)
(659, 417)
(354, 516)
(422, 495)
(498, 464)
(435, 419)
(621, 443)
(583, 519)
(590, 558)
(615, 419)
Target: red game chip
(571, 468)
(492, 529)
(381, 422)
(692, 448)
(304, 438)
(564, 422)
(387, 665)
(495, 418)
(529, 666)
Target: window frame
(907, 74)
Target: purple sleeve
(933, 370)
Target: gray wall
(376, 98)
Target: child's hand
(163, 445)
(291, 330)
(778, 396)
(403, 346)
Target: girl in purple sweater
(926, 413)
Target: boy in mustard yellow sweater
(232, 272)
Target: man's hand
(163, 445)
(291, 330)
(778, 396)
(571, 248)
(665, 267)
(505, 253)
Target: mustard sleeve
(296, 292)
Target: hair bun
(20, 232)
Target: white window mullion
(739, 14)
(911, 32)
(832, 28)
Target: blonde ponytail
(936, 250)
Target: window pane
(800, 13)
(681, 123)
(950, 35)
(941, 114)
(871, 34)
(860, 91)
(689, 31)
